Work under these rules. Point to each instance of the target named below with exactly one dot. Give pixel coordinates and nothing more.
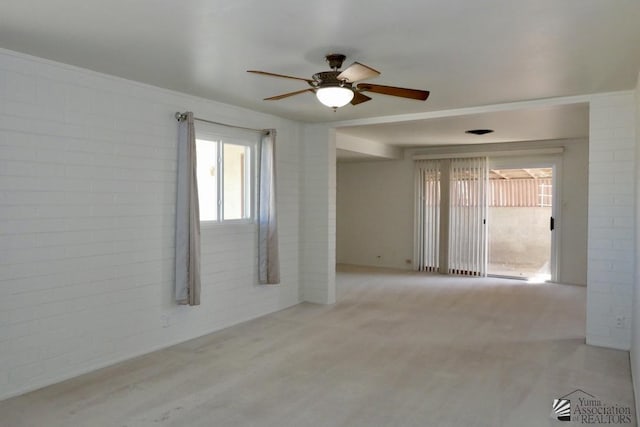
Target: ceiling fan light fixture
(334, 96)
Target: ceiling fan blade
(286, 95)
(356, 72)
(264, 73)
(359, 98)
(420, 95)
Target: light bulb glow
(334, 96)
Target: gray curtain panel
(268, 257)
(187, 217)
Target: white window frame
(251, 173)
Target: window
(225, 178)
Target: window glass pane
(207, 152)
(236, 182)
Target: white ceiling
(349, 156)
(466, 53)
(531, 124)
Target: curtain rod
(181, 116)
(502, 153)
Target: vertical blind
(467, 216)
(427, 216)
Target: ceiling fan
(336, 88)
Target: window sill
(226, 223)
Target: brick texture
(87, 193)
(611, 248)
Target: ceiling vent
(479, 131)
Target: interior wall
(375, 206)
(635, 338)
(87, 193)
(318, 215)
(611, 245)
(374, 213)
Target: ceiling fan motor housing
(335, 60)
(328, 79)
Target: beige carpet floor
(398, 349)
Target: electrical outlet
(164, 320)
(620, 322)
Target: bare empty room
(345, 213)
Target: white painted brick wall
(87, 190)
(318, 223)
(611, 247)
(635, 329)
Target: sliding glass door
(474, 219)
(521, 223)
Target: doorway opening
(520, 223)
